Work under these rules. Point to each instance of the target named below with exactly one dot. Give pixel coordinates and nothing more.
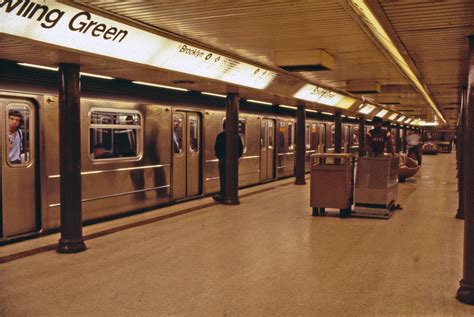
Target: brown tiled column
(300, 145)
(466, 291)
(404, 140)
(71, 240)
(231, 196)
(459, 155)
(362, 149)
(338, 132)
(398, 143)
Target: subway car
(141, 148)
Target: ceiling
(432, 34)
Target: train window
(18, 134)
(193, 122)
(263, 139)
(355, 136)
(271, 132)
(290, 136)
(178, 119)
(308, 137)
(114, 134)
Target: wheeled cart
(332, 183)
(376, 186)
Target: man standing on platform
(220, 149)
(378, 139)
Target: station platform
(265, 257)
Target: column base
(459, 214)
(465, 293)
(230, 201)
(300, 182)
(71, 246)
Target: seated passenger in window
(100, 152)
(125, 140)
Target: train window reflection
(271, 132)
(308, 137)
(178, 133)
(18, 134)
(193, 122)
(243, 133)
(263, 139)
(114, 134)
(290, 136)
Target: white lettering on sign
(61, 25)
(319, 95)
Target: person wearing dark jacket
(379, 139)
(219, 150)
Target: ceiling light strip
(378, 31)
(158, 86)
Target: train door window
(308, 136)
(333, 135)
(193, 122)
(114, 134)
(290, 136)
(18, 134)
(263, 139)
(178, 119)
(270, 134)
(282, 133)
(355, 136)
(243, 133)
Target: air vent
(363, 87)
(304, 61)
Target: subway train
(141, 148)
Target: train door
(267, 149)
(186, 154)
(322, 138)
(18, 168)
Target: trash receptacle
(332, 178)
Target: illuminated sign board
(65, 26)
(366, 109)
(408, 120)
(401, 118)
(393, 116)
(381, 113)
(324, 96)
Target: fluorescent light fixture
(39, 66)
(408, 120)
(327, 113)
(427, 124)
(311, 110)
(159, 86)
(260, 102)
(401, 118)
(393, 116)
(324, 96)
(212, 94)
(366, 109)
(378, 31)
(381, 113)
(96, 76)
(288, 107)
(353, 118)
(370, 120)
(416, 122)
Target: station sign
(65, 26)
(324, 96)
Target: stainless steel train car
(139, 151)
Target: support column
(362, 149)
(300, 145)
(459, 155)
(231, 196)
(404, 141)
(338, 132)
(465, 292)
(71, 240)
(398, 143)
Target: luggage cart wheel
(322, 211)
(315, 212)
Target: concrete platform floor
(265, 257)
